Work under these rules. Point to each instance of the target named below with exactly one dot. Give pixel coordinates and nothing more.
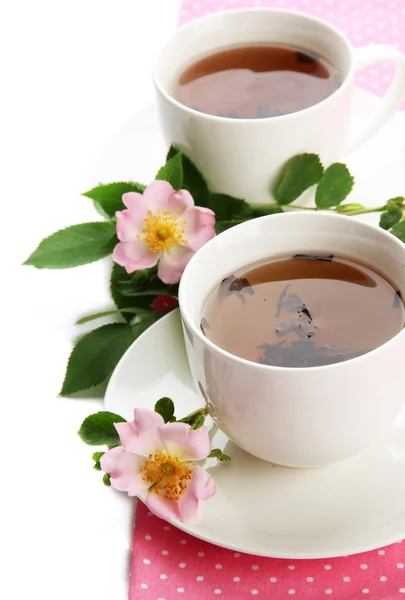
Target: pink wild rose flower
(154, 462)
(161, 225)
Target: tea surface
(256, 81)
(304, 311)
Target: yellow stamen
(166, 475)
(162, 231)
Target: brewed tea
(256, 81)
(304, 311)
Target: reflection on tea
(253, 82)
(304, 311)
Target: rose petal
(157, 195)
(134, 256)
(165, 509)
(123, 468)
(180, 201)
(200, 226)
(134, 201)
(130, 223)
(201, 487)
(173, 263)
(141, 436)
(186, 443)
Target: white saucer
(354, 506)
(260, 508)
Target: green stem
(303, 207)
(363, 211)
(352, 213)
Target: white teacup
(298, 417)
(242, 157)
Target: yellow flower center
(162, 231)
(166, 474)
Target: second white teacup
(298, 417)
(242, 157)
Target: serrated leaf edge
(82, 389)
(45, 239)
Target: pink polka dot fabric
(168, 564)
(364, 22)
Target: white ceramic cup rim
(259, 10)
(238, 230)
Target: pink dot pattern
(168, 564)
(362, 21)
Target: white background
(72, 73)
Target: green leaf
(390, 218)
(221, 226)
(143, 276)
(394, 203)
(74, 246)
(172, 171)
(119, 280)
(298, 174)
(108, 198)
(195, 419)
(215, 453)
(171, 152)
(263, 211)
(399, 231)
(219, 455)
(145, 323)
(96, 457)
(227, 208)
(193, 180)
(250, 213)
(335, 185)
(107, 479)
(98, 429)
(165, 408)
(198, 422)
(95, 356)
(153, 291)
(151, 286)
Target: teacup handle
(367, 55)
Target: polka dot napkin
(167, 564)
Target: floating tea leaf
(237, 285)
(291, 303)
(314, 311)
(304, 353)
(397, 300)
(328, 258)
(204, 325)
(303, 57)
(305, 312)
